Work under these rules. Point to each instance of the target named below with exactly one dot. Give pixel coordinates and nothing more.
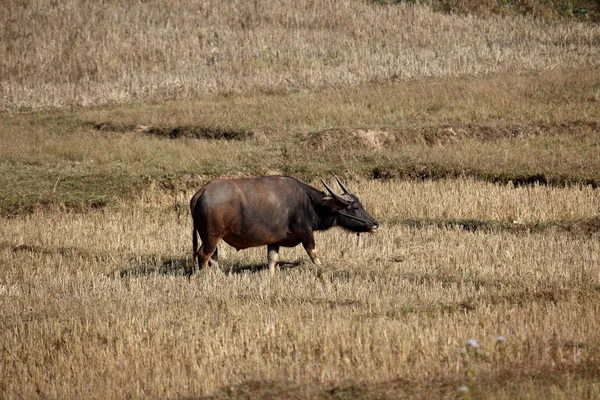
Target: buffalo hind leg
(206, 251)
(272, 255)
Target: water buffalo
(273, 211)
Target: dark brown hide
(269, 211)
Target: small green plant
(411, 2)
(472, 356)
(507, 3)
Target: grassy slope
(540, 127)
(60, 55)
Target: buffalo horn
(344, 188)
(335, 195)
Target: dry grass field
(70, 53)
(470, 130)
(97, 304)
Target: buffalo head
(349, 211)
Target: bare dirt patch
(433, 171)
(369, 139)
(176, 132)
(434, 135)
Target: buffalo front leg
(309, 246)
(272, 256)
(214, 259)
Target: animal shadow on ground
(239, 267)
(158, 266)
(183, 266)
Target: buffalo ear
(334, 203)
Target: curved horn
(329, 189)
(334, 194)
(344, 188)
